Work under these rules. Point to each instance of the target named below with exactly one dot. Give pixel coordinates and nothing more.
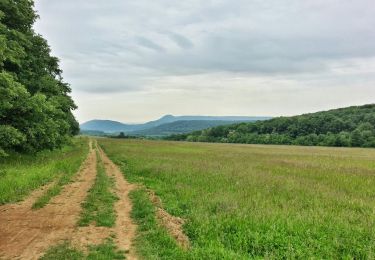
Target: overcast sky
(135, 61)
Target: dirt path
(27, 203)
(27, 233)
(125, 229)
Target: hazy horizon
(137, 61)
(108, 119)
(158, 117)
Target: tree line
(35, 106)
(344, 127)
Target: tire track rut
(27, 233)
(125, 228)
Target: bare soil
(125, 229)
(27, 233)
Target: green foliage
(9, 137)
(99, 204)
(345, 127)
(35, 106)
(252, 202)
(18, 14)
(92, 133)
(177, 127)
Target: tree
(351, 126)
(35, 106)
(356, 138)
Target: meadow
(20, 174)
(252, 201)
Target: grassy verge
(99, 205)
(153, 242)
(21, 174)
(254, 201)
(106, 250)
(66, 175)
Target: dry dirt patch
(125, 229)
(27, 233)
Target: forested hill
(177, 127)
(351, 126)
(35, 106)
(110, 126)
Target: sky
(135, 61)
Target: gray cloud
(129, 46)
(181, 41)
(249, 36)
(142, 41)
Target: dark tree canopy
(35, 106)
(346, 127)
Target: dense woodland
(35, 106)
(178, 127)
(346, 127)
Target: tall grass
(21, 174)
(254, 201)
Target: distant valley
(166, 125)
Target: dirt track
(27, 233)
(125, 228)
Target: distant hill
(351, 126)
(93, 133)
(179, 127)
(109, 126)
(103, 126)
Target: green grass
(153, 241)
(68, 171)
(65, 251)
(21, 174)
(107, 250)
(253, 201)
(99, 205)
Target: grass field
(21, 174)
(252, 201)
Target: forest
(344, 127)
(35, 106)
